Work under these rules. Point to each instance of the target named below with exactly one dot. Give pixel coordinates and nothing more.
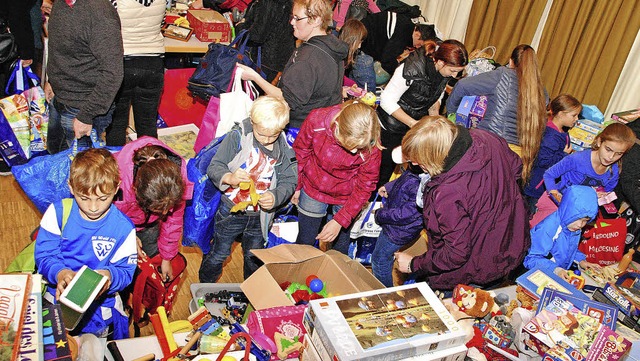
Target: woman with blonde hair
(516, 106)
(470, 240)
(338, 152)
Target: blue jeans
(382, 259)
(141, 89)
(362, 72)
(60, 133)
(228, 227)
(311, 213)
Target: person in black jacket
(17, 13)
(628, 188)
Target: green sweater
(85, 56)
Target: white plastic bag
(236, 104)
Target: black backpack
(8, 47)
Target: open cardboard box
(294, 263)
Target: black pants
(141, 89)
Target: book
(55, 344)
(79, 294)
(534, 282)
(605, 313)
(31, 337)
(14, 297)
(560, 321)
(623, 116)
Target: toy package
(606, 314)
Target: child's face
(265, 136)
(95, 206)
(610, 152)
(576, 225)
(568, 118)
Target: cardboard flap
(287, 253)
(357, 275)
(263, 291)
(208, 16)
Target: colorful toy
(474, 301)
(576, 279)
(316, 285)
(309, 279)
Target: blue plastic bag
(21, 79)
(285, 227)
(44, 178)
(591, 112)
(200, 211)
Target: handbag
(8, 47)
(177, 105)
(44, 179)
(224, 111)
(604, 242)
(213, 74)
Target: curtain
(625, 95)
(503, 24)
(584, 47)
(449, 16)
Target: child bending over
(256, 151)
(96, 234)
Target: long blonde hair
(357, 126)
(531, 112)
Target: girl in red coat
(338, 151)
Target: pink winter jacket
(171, 229)
(331, 174)
(341, 8)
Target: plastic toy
(316, 285)
(309, 279)
(576, 279)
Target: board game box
(387, 324)
(605, 313)
(534, 282)
(14, 296)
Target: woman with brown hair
(415, 90)
(516, 101)
(358, 66)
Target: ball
(310, 278)
(228, 358)
(316, 285)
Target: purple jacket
(400, 218)
(475, 216)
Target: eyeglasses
(296, 18)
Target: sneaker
(5, 169)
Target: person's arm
(399, 215)
(48, 254)
(364, 184)
(287, 178)
(391, 95)
(268, 88)
(541, 244)
(170, 232)
(481, 84)
(551, 152)
(303, 145)
(219, 165)
(105, 43)
(630, 178)
(556, 171)
(123, 263)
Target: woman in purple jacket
(474, 213)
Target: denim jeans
(362, 72)
(141, 89)
(60, 133)
(310, 216)
(382, 259)
(228, 227)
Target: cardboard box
(199, 290)
(294, 263)
(391, 324)
(583, 134)
(209, 26)
(471, 110)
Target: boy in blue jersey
(94, 233)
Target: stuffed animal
(526, 301)
(474, 301)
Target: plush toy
(526, 301)
(474, 301)
(286, 345)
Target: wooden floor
(18, 218)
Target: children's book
(31, 337)
(55, 344)
(14, 296)
(605, 313)
(534, 282)
(561, 321)
(79, 294)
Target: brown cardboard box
(294, 263)
(209, 26)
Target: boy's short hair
(158, 186)
(94, 170)
(271, 113)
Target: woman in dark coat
(474, 213)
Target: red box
(209, 26)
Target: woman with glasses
(312, 78)
(414, 91)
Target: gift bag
(209, 124)
(365, 225)
(604, 242)
(281, 325)
(177, 105)
(213, 74)
(38, 120)
(481, 61)
(44, 179)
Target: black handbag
(213, 74)
(8, 47)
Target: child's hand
(107, 284)
(295, 198)
(601, 194)
(383, 192)
(64, 278)
(234, 179)
(568, 149)
(404, 261)
(141, 254)
(589, 266)
(266, 200)
(562, 273)
(167, 270)
(556, 195)
(329, 231)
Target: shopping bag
(21, 79)
(283, 323)
(209, 124)
(361, 249)
(604, 242)
(213, 74)
(44, 179)
(236, 104)
(365, 225)
(481, 61)
(14, 129)
(38, 120)
(284, 229)
(177, 105)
